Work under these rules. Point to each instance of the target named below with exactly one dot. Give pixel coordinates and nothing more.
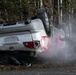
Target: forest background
(61, 12)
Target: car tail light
(34, 44)
(28, 44)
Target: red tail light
(34, 44)
(28, 44)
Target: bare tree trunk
(55, 13)
(37, 4)
(70, 18)
(21, 15)
(74, 21)
(40, 3)
(6, 13)
(61, 15)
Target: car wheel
(41, 14)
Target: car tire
(42, 14)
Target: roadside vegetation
(17, 10)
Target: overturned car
(27, 38)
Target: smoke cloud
(61, 54)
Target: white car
(27, 38)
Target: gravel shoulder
(40, 69)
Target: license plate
(11, 39)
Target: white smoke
(65, 53)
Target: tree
(22, 9)
(55, 13)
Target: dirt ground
(38, 69)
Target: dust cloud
(61, 54)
